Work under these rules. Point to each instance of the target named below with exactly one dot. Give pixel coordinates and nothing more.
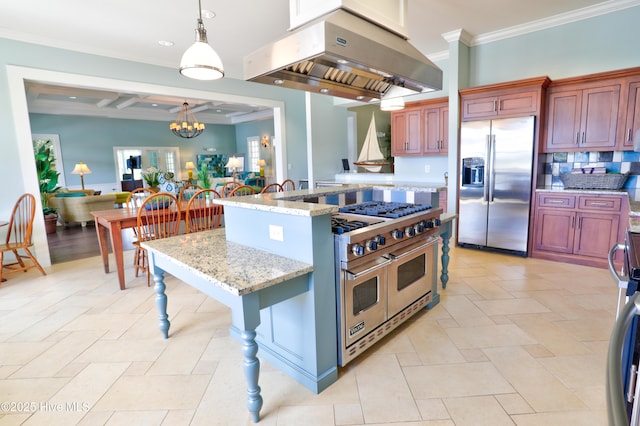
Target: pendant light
(200, 61)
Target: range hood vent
(344, 55)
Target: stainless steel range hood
(344, 55)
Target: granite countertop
(583, 191)
(236, 268)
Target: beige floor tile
(432, 409)
(562, 419)
(477, 411)
(315, 415)
(385, 395)
(513, 403)
(348, 414)
(456, 380)
(127, 418)
(154, 393)
(489, 336)
(178, 418)
(465, 312)
(541, 390)
(510, 306)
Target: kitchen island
(273, 264)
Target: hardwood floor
(73, 242)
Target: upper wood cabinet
(583, 118)
(422, 128)
(435, 120)
(406, 132)
(630, 130)
(512, 99)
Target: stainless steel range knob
(419, 227)
(410, 231)
(397, 234)
(430, 223)
(371, 245)
(357, 249)
(380, 240)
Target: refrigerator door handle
(487, 156)
(491, 174)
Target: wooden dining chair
(228, 187)
(288, 185)
(158, 217)
(242, 190)
(137, 196)
(134, 201)
(187, 191)
(19, 237)
(201, 214)
(272, 187)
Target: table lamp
(190, 166)
(81, 169)
(233, 164)
(262, 163)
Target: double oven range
(385, 269)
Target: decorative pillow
(70, 194)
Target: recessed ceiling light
(324, 90)
(165, 43)
(206, 13)
(218, 110)
(154, 105)
(278, 81)
(73, 97)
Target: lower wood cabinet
(578, 228)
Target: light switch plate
(276, 233)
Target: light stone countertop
(236, 268)
(584, 191)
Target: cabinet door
(477, 108)
(555, 230)
(518, 103)
(595, 234)
(406, 133)
(563, 129)
(632, 128)
(444, 130)
(599, 117)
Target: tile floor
(513, 342)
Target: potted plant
(203, 176)
(151, 176)
(48, 181)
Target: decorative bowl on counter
(594, 181)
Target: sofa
(76, 206)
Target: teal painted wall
(255, 128)
(91, 140)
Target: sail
(371, 158)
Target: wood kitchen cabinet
(582, 118)
(631, 129)
(503, 103)
(406, 132)
(577, 228)
(435, 121)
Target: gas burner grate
(390, 210)
(341, 225)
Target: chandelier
(186, 125)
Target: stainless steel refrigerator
(495, 183)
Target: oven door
(411, 273)
(364, 292)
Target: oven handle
(354, 275)
(421, 246)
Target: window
(253, 148)
(163, 158)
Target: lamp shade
(189, 165)
(81, 169)
(233, 163)
(262, 163)
(201, 62)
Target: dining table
(109, 226)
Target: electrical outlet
(427, 168)
(276, 233)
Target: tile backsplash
(557, 163)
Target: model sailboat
(371, 158)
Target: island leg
(444, 276)
(251, 367)
(161, 301)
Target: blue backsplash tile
(630, 156)
(581, 157)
